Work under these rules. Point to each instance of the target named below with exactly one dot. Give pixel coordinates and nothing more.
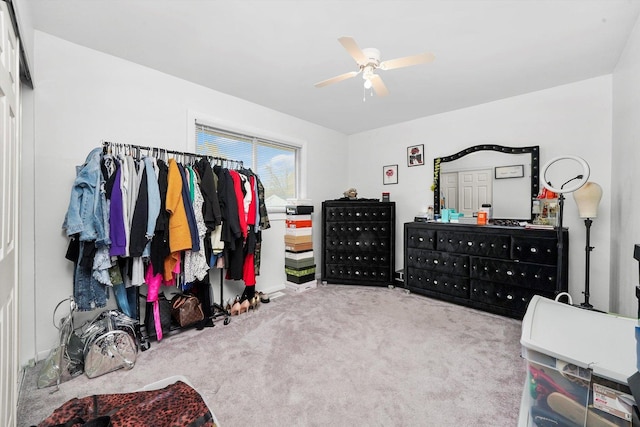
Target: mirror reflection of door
(449, 190)
(474, 190)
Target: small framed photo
(390, 174)
(415, 155)
(513, 171)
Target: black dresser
(358, 241)
(491, 268)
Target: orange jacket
(179, 232)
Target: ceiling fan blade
(337, 79)
(378, 85)
(352, 48)
(406, 61)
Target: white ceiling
(272, 52)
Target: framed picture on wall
(506, 172)
(415, 155)
(390, 174)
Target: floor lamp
(588, 198)
(576, 182)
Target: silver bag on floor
(64, 361)
(109, 344)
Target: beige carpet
(332, 356)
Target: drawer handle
(509, 297)
(509, 273)
(469, 243)
(435, 261)
(534, 250)
(420, 239)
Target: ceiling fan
(368, 61)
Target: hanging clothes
(211, 206)
(195, 261)
(136, 220)
(179, 232)
(85, 224)
(160, 248)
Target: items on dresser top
(358, 239)
(496, 269)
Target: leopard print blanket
(177, 404)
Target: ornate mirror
(505, 177)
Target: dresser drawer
(357, 242)
(438, 261)
(358, 213)
(434, 281)
(357, 258)
(420, 238)
(535, 276)
(378, 229)
(535, 250)
(489, 245)
(510, 298)
(350, 272)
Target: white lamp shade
(588, 198)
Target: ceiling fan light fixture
(367, 72)
(368, 61)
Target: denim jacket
(88, 213)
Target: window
(275, 163)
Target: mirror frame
(534, 150)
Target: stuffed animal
(351, 193)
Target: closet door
(9, 172)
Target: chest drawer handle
(469, 243)
(534, 250)
(509, 273)
(509, 297)
(435, 261)
(420, 239)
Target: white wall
(83, 97)
(625, 228)
(574, 119)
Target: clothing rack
(110, 147)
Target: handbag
(164, 314)
(65, 361)
(110, 343)
(186, 310)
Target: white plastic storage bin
(578, 363)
